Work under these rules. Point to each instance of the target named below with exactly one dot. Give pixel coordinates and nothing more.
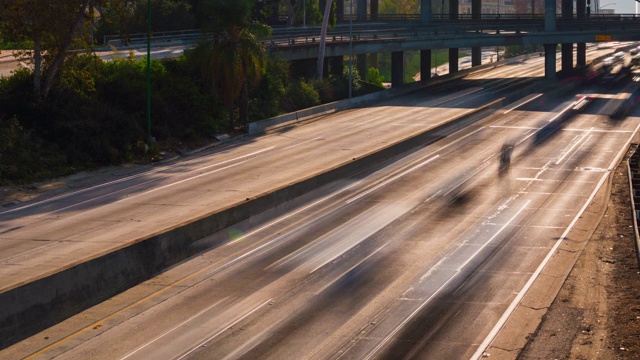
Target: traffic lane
(504, 272)
(283, 349)
(289, 342)
(418, 104)
(262, 146)
(465, 147)
(141, 211)
(445, 88)
(230, 153)
(615, 141)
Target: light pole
(150, 138)
(350, 47)
(304, 13)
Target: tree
(52, 26)
(399, 7)
(235, 55)
(323, 37)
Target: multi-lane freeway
(422, 256)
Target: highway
(415, 258)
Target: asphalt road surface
(417, 258)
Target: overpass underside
(366, 52)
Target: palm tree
(236, 57)
(323, 37)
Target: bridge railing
(164, 36)
(464, 24)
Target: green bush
(374, 76)
(300, 95)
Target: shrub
(300, 95)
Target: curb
(632, 169)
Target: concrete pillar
(550, 61)
(581, 52)
(581, 55)
(337, 65)
(567, 58)
(453, 9)
(339, 10)
(476, 14)
(476, 56)
(567, 9)
(325, 68)
(361, 65)
(581, 9)
(476, 9)
(374, 9)
(549, 15)
(425, 11)
(397, 68)
(425, 64)
(362, 10)
(373, 60)
(453, 60)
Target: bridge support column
(374, 9)
(476, 14)
(549, 15)
(550, 61)
(567, 58)
(373, 60)
(425, 64)
(337, 65)
(476, 56)
(397, 68)
(453, 9)
(581, 55)
(425, 11)
(453, 60)
(339, 10)
(325, 68)
(361, 65)
(361, 12)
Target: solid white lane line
(503, 319)
(237, 158)
(416, 167)
(583, 137)
(153, 171)
(173, 329)
(565, 129)
(458, 270)
(182, 181)
(526, 100)
(303, 142)
(224, 329)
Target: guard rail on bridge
(390, 27)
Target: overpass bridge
(367, 36)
